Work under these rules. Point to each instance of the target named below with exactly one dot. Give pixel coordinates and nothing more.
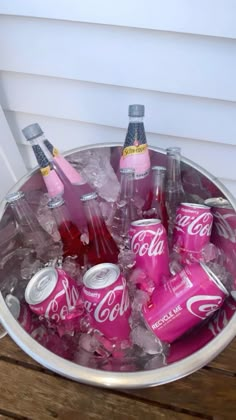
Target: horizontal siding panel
(211, 17)
(166, 114)
(156, 60)
(68, 135)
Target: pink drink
(148, 240)
(185, 300)
(224, 230)
(202, 334)
(54, 295)
(192, 229)
(106, 299)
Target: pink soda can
(54, 295)
(184, 301)
(106, 300)
(21, 312)
(192, 229)
(224, 230)
(148, 241)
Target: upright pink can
(148, 240)
(185, 300)
(192, 229)
(54, 295)
(106, 299)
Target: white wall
(75, 66)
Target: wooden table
(29, 391)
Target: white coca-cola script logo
(201, 225)
(153, 248)
(107, 309)
(223, 227)
(202, 306)
(54, 311)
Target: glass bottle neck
(24, 215)
(173, 166)
(61, 215)
(126, 186)
(158, 184)
(94, 217)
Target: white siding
(74, 66)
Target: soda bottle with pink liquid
(135, 154)
(157, 203)
(101, 247)
(70, 234)
(74, 185)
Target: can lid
(218, 202)
(101, 276)
(32, 131)
(195, 205)
(127, 170)
(136, 110)
(146, 222)
(41, 285)
(159, 168)
(14, 196)
(214, 278)
(14, 305)
(56, 202)
(88, 196)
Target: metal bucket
(188, 354)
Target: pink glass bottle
(125, 212)
(157, 203)
(135, 153)
(102, 247)
(70, 233)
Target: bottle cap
(56, 202)
(32, 131)
(88, 196)
(14, 196)
(127, 171)
(136, 111)
(159, 168)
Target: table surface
(29, 391)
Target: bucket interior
(196, 182)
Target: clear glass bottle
(101, 247)
(126, 211)
(69, 232)
(32, 234)
(174, 188)
(135, 153)
(157, 202)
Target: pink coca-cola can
(192, 229)
(21, 312)
(224, 230)
(54, 295)
(185, 300)
(148, 241)
(106, 299)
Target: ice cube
(146, 340)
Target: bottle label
(136, 157)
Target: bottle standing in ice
(135, 153)
(157, 203)
(174, 189)
(102, 247)
(125, 212)
(74, 185)
(70, 234)
(32, 234)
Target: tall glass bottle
(74, 185)
(174, 189)
(101, 247)
(32, 234)
(70, 234)
(135, 153)
(157, 202)
(126, 211)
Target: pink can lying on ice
(106, 299)
(192, 229)
(148, 240)
(54, 295)
(185, 300)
